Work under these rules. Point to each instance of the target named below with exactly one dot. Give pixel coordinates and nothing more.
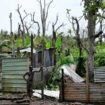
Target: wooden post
(30, 70)
(53, 44)
(42, 82)
(11, 34)
(62, 85)
(32, 50)
(43, 45)
(87, 83)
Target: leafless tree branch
(60, 26)
(22, 18)
(28, 27)
(48, 8)
(56, 20)
(35, 22)
(44, 13)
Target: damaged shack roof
(27, 50)
(68, 70)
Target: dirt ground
(49, 101)
(24, 100)
(36, 101)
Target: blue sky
(58, 7)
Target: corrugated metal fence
(99, 74)
(13, 70)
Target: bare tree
(10, 16)
(19, 29)
(54, 30)
(77, 33)
(44, 11)
(22, 19)
(28, 28)
(35, 22)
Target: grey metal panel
(13, 70)
(99, 74)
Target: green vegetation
(74, 47)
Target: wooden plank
(96, 92)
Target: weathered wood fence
(85, 92)
(78, 92)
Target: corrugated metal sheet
(78, 92)
(99, 74)
(68, 70)
(13, 70)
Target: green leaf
(103, 4)
(27, 41)
(69, 31)
(58, 43)
(48, 45)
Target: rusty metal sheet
(13, 70)
(77, 92)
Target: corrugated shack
(45, 59)
(72, 90)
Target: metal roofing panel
(13, 70)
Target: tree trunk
(44, 31)
(91, 33)
(44, 27)
(53, 44)
(0, 49)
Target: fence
(37, 78)
(78, 92)
(99, 74)
(91, 92)
(13, 70)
